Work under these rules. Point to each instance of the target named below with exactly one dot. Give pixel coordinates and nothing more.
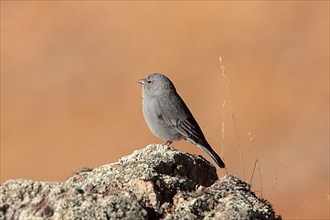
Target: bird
(168, 117)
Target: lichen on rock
(157, 182)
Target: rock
(157, 182)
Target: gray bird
(168, 117)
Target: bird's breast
(154, 117)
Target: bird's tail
(213, 155)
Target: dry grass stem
(302, 208)
(260, 179)
(223, 71)
(223, 129)
(276, 175)
(256, 164)
(254, 167)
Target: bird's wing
(176, 114)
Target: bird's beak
(141, 81)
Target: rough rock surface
(157, 182)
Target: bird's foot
(168, 143)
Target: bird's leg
(168, 143)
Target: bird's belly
(164, 133)
(160, 129)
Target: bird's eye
(149, 81)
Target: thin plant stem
(223, 71)
(302, 208)
(256, 164)
(276, 175)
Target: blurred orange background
(69, 97)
